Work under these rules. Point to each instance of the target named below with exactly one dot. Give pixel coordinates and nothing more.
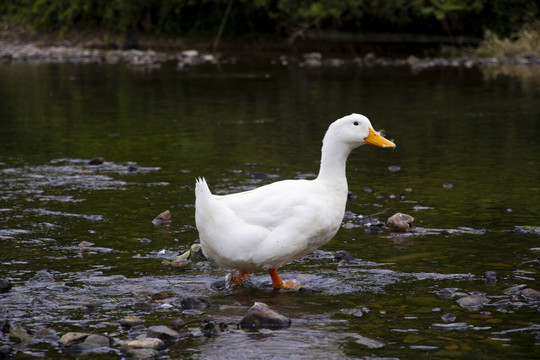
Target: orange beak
(374, 138)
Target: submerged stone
(370, 343)
(42, 276)
(162, 332)
(141, 354)
(19, 334)
(449, 327)
(261, 316)
(490, 277)
(400, 222)
(448, 318)
(472, 302)
(5, 285)
(531, 294)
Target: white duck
(275, 224)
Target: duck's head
(356, 130)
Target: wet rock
(490, 277)
(447, 293)
(72, 337)
(531, 294)
(472, 302)
(42, 276)
(449, 327)
(6, 327)
(130, 321)
(212, 329)
(176, 263)
(143, 307)
(448, 186)
(141, 354)
(370, 343)
(261, 316)
(163, 219)
(400, 222)
(313, 59)
(515, 289)
(177, 324)
(96, 161)
(162, 332)
(98, 340)
(5, 351)
(189, 303)
(162, 295)
(448, 318)
(47, 334)
(20, 334)
(147, 343)
(394, 168)
(5, 285)
(501, 303)
(358, 311)
(342, 255)
(194, 254)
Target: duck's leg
(238, 277)
(277, 283)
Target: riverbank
(38, 53)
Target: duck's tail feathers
(201, 188)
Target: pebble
(472, 302)
(342, 255)
(130, 321)
(448, 318)
(163, 219)
(96, 161)
(19, 334)
(189, 303)
(5, 285)
(99, 340)
(141, 354)
(162, 332)
(42, 276)
(450, 326)
(261, 316)
(400, 222)
(147, 343)
(72, 337)
(394, 168)
(490, 277)
(531, 293)
(370, 343)
(5, 351)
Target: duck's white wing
(268, 226)
(270, 205)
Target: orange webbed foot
(278, 284)
(238, 277)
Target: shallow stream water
(465, 167)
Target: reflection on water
(465, 167)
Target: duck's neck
(333, 162)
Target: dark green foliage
(271, 17)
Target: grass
(524, 42)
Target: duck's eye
(355, 123)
